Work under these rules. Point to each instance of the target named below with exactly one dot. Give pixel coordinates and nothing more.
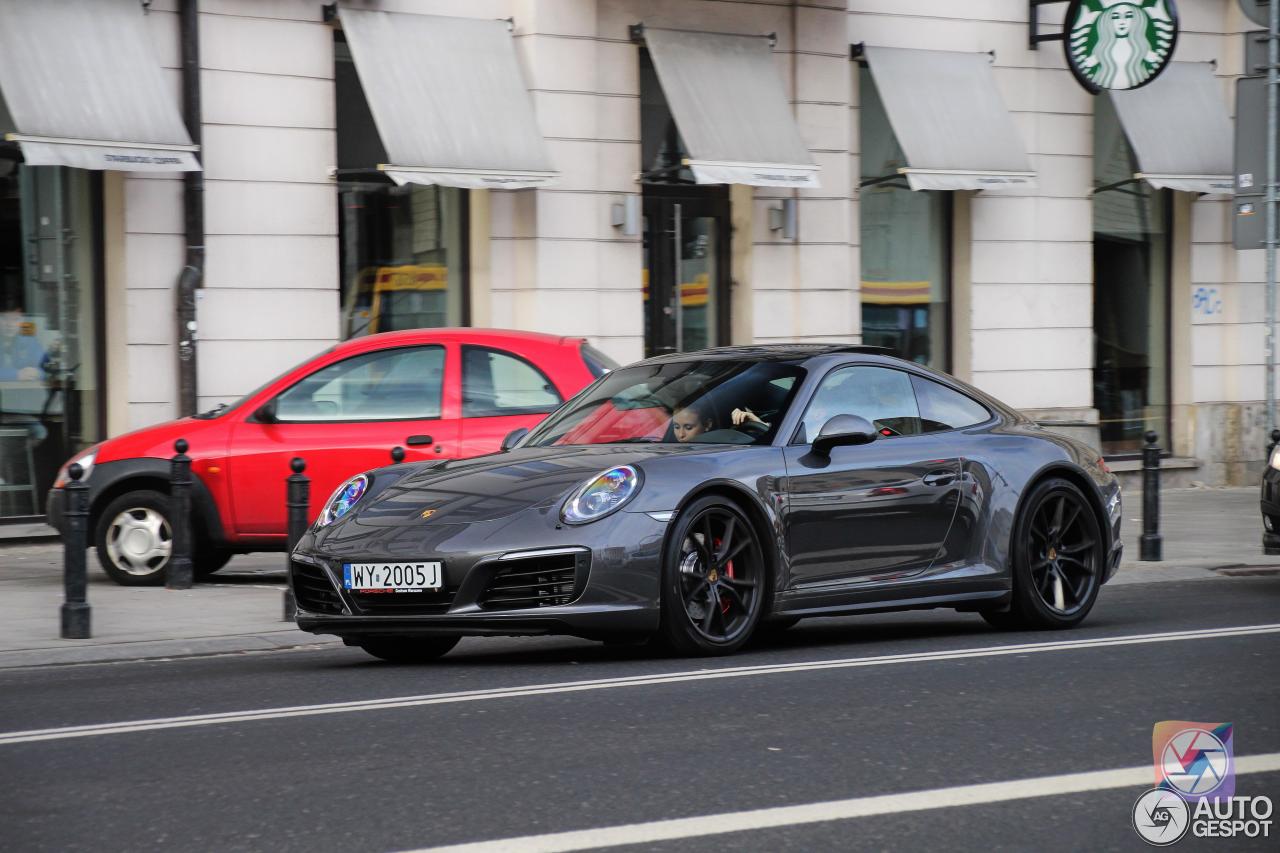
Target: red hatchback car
(438, 393)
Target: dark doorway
(686, 260)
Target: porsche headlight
(601, 495)
(343, 499)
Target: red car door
(343, 418)
(501, 392)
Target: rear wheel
(713, 580)
(408, 649)
(1058, 559)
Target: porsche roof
(766, 352)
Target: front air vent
(312, 589)
(541, 580)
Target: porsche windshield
(709, 402)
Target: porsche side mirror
(843, 430)
(513, 438)
(266, 413)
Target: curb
(143, 650)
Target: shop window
(905, 247)
(1131, 287)
(403, 249)
(50, 380)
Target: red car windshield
(708, 402)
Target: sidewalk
(1203, 529)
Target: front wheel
(1058, 556)
(408, 649)
(134, 538)
(713, 580)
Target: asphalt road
(833, 710)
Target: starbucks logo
(1119, 44)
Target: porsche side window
(497, 383)
(397, 384)
(880, 395)
(943, 409)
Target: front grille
(313, 591)
(405, 603)
(543, 581)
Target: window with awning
(82, 87)
(948, 117)
(733, 116)
(448, 99)
(1179, 129)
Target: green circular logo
(1119, 44)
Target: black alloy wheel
(713, 580)
(1058, 557)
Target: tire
(134, 538)
(1058, 560)
(712, 598)
(408, 649)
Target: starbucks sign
(1119, 44)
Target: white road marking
(94, 730)
(938, 798)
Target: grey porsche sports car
(694, 498)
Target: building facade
(908, 173)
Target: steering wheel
(755, 429)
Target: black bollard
(298, 501)
(1275, 439)
(1151, 543)
(397, 454)
(179, 574)
(75, 609)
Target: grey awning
(1179, 129)
(728, 102)
(83, 88)
(949, 119)
(448, 99)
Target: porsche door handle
(939, 478)
(419, 440)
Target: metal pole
(297, 502)
(179, 575)
(679, 281)
(1273, 84)
(1150, 546)
(75, 609)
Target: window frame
(992, 415)
(275, 398)
(520, 412)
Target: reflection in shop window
(1130, 292)
(403, 257)
(49, 378)
(905, 242)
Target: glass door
(686, 284)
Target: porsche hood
(488, 488)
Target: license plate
(391, 577)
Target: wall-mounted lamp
(784, 219)
(626, 215)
